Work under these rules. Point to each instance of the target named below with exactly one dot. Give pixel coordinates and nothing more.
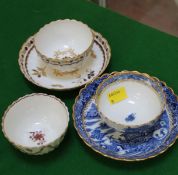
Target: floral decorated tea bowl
(130, 102)
(36, 123)
(65, 43)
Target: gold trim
(21, 147)
(57, 85)
(58, 53)
(105, 155)
(40, 71)
(30, 42)
(58, 73)
(92, 54)
(65, 59)
(96, 98)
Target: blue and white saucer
(109, 142)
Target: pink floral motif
(37, 137)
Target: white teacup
(65, 43)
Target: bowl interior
(136, 102)
(63, 38)
(35, 120)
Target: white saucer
(47, 76)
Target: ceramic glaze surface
(141, 105)
(114, 144)
(144, 87)
(67, 80)
(50, 77)
(63, 38)
(36, 121)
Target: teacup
(130, 102)
(64, 43)
(36, 123)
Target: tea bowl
(36, 123)
(65, 43)
(130, 102)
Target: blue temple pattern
(115, 144)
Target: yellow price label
(117, 95)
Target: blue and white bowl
(138, 102)
(111, 143)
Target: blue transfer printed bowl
(111, 143)
(130, 102)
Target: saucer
(48, 76)
(110, 142)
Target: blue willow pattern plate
(111, 143)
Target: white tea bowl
(36, 123)
(64, 43)
(130, 101)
